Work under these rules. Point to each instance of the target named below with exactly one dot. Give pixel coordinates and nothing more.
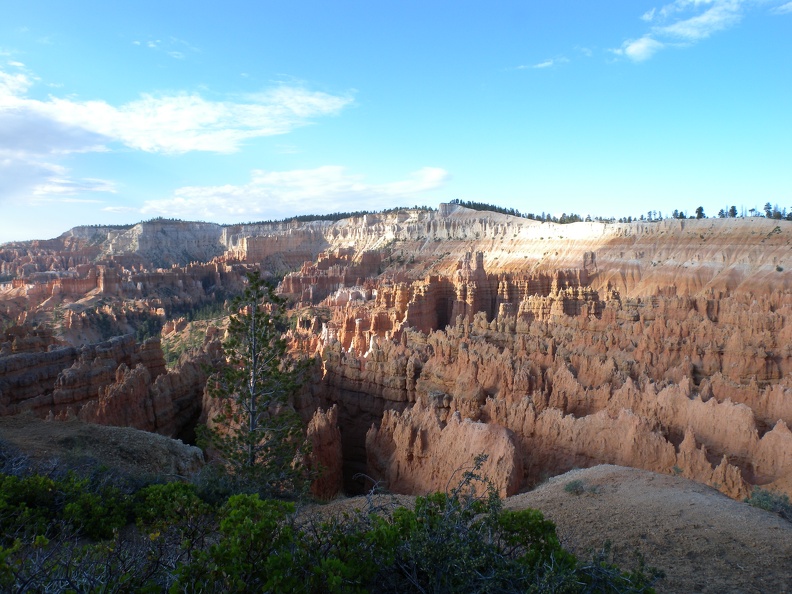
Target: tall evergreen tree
(257, 433)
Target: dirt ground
(73, 443)
(701, 539)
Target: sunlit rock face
(658, 345)
(662, 346)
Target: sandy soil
(702, 540)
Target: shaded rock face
(116, 382)
(414, 452)
(326, 456)
(169, 404)
(54, 379)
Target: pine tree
(258, 435)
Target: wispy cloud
(28, 177)
(174, 47)
(685, 22)
(36, 133)
(648, 15)
(275, 194)
(639, 50)
(173, 123)
(545, 64)
(31, 144)
(720, 15)
(61, 184)
(783, 9)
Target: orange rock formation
(660, 345)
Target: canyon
(436, 335)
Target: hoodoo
(439, 335)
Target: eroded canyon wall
(682, 368)
(662, 345)
(116, 382)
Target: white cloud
(648, 16)
(545, 64)
(32, 179)
(188, 122)
(36, 133)
(684, 22)
(641, 49)
(31, 143)
(173, 123)
(12, 85)
(783, 9)
(61, 184)
(275, 194)
(721, 15)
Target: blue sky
(119, 112)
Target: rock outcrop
(414, 452)
(326, 456)
(116, 382)
(688, 380)
(168, 403)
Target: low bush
(771, 501)
(460, 541)
(37, 505)
(579, 487)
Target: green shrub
(253, 554)
(28, 505)
(39, 505)
(94, 512)
(158, 506)
(460, 541)
(771, 501)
